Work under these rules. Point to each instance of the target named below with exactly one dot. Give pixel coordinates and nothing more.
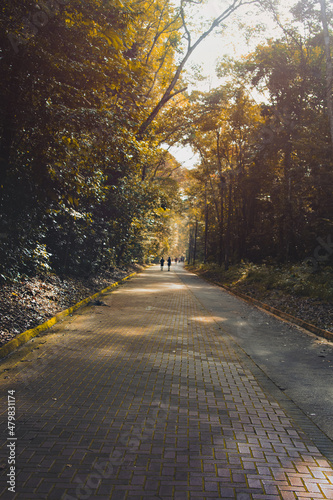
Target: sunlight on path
(143, 398)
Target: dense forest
(83, 184)
(263, 189)
(94, 93)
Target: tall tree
(329, 67)
(171, 90)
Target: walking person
(169, 263)
(162, 263)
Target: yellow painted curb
(24, 337)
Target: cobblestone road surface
(145, 397)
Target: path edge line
(27, 335)
(288, 317)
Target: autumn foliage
(79, 190)
(93, 92)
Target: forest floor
(30, 302)
(291, 289)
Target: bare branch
(168, 93)
(187, 33)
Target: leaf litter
(31, 301)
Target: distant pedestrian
(176, 260)
(169, 263)
(162, 263)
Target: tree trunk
(221, 242)
(170, 93)
(190, 246)
(206, 224)
(329, 69)
(288, 203)
(120, 254)
(195, 241)
(5, 149)
(222, 181)
(227, 239)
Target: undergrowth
(296, 279)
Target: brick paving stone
(266, 497)
(147, 398)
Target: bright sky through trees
(234, 41)
(88, 98)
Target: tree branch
(191, 48)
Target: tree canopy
(263, 187)
(92, 94)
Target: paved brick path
(146, 398)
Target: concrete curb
(288, 317)
(24, 337)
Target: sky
(232, 43)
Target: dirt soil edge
(24, 337)
(283, 315)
